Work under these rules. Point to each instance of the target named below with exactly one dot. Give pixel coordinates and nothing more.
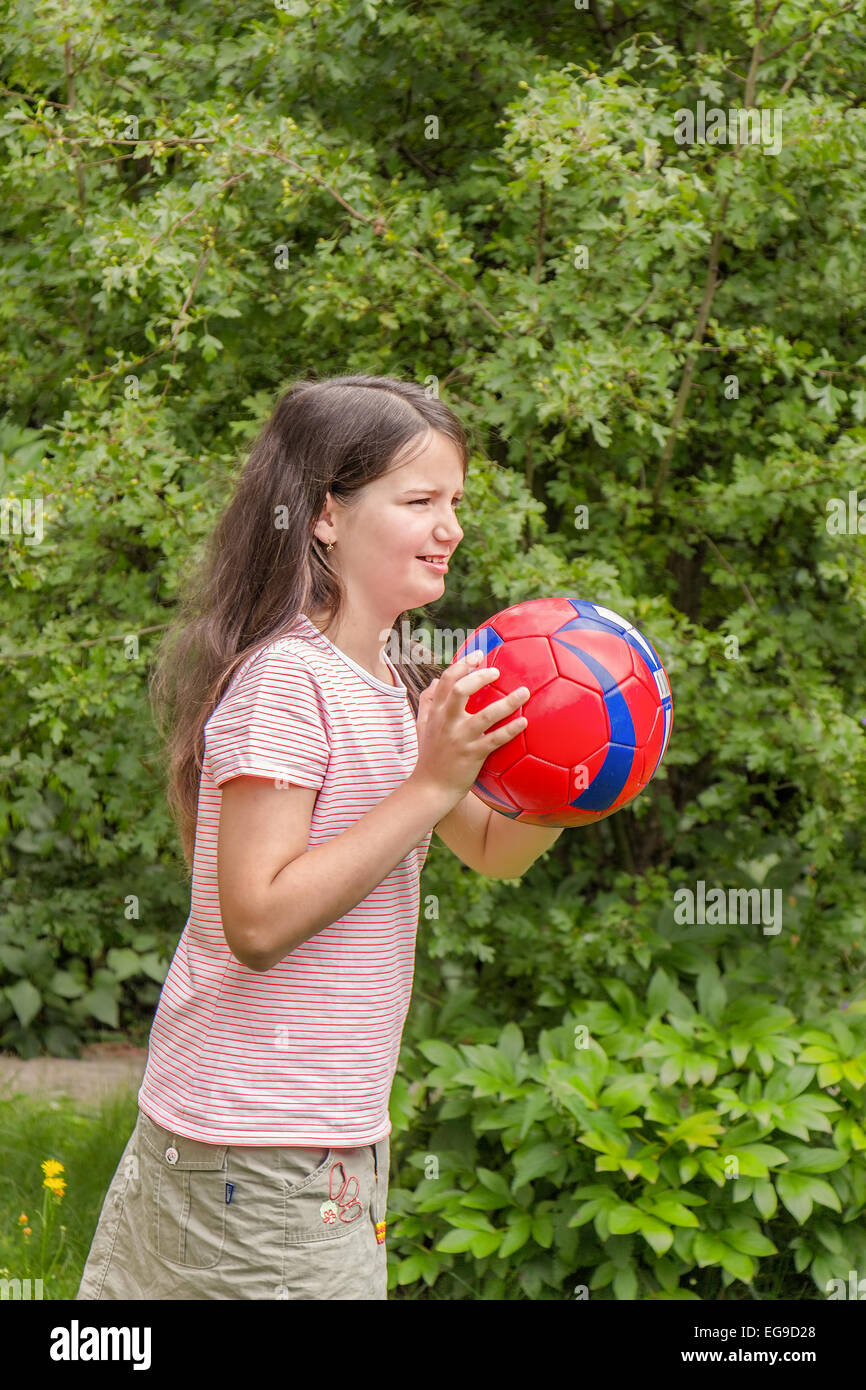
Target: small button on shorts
(187, 1220)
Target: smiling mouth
(439, 565)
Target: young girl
(306, 795)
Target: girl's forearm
(511, 847)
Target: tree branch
(809, 32)
(685, 387)
(380, 226)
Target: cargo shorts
(184, 1219)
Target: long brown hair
(262, 566)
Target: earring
(330, 547)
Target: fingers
(501, 708)
(508, 702)
(511, 730)
(466, 679)
(473, 664)
(475, 678)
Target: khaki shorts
(188, 1220)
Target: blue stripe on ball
(614, 772)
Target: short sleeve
(271, 723)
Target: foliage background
(200, 203)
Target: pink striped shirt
(304, 1053)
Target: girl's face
(408, 513)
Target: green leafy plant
(657, 349)
(633, 1169)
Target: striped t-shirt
(305, 1052)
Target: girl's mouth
(440, 566)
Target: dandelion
(56, 1185)
(23, 1219)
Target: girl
(305, 796)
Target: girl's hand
(452, 744)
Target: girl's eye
(425, 500)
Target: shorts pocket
(300, 1167)
(334, 1201)
(184, 1186)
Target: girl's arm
(512, 848)
(274, 894)
(492, 844)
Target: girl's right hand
(452, 744)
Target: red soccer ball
(600, 711)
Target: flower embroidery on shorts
(343, 1197)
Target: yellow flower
(27, 1231)
(22, 1220)
(57, 1185)
(51, 1167)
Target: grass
(88, 1141)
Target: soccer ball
(600, 711)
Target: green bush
(638, 1150)
(658, 351)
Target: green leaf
(657, 1235)
(675, 1213)
(67, 985)
(495, 1182)
(738, 1264)
(515, 1236)
(154, 966)
(660, 992)
(625, 1284)
(764, 1198)
(442, 1054)
(25, 1000)
(410, 1270)
(455, 1241)
(749, 1241)
(711, 992)
(624, 1219)
(511, 1042)
(754, 1160)
(802, 1159)
(708, 1249)
(14, 958)
(102, 1004)
(123, 962)
(541, 1160)
(484, 1243)
(798, 1191)
(627, 1093)
(603, 1275)
(543, 1231)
